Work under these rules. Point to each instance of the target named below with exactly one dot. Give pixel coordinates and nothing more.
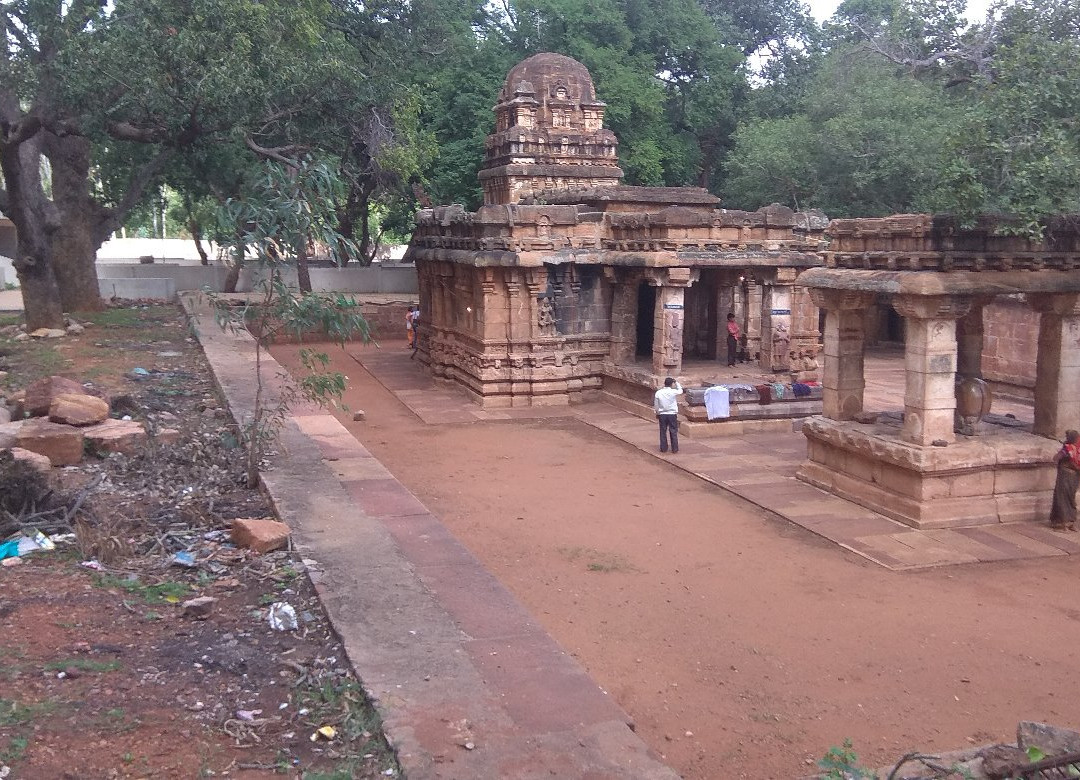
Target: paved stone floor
(759, 467)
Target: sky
(823, 9)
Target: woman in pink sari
(1063, 510)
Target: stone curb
(440, 668)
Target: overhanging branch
(114, 217)
(277, 153)
(19, 131)
(126, 131)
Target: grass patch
(16, 747)
(9, 319)
(161, 593)
(13, 713)
(38, 358)
(116, 721)
(339, 701)
(83, 665)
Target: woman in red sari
(1063, 510)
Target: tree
(870, 143)
(1017, 149)
(284, 208)
(120, 96)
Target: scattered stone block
(61, 444)
(1053, 741)
(40, 395)
(47, 333)
(359, 416)
(22, 337)
(200, 607)
(866, 418)
(5, 415)
(260, 534)
(78, 409)
(16, 404)
(75, 328)
(39, 462)
(168, 436)
(123, 436)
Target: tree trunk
(367, 252)
(76, 242)
(233, 277)
(31, 212)
(302, 274)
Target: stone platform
(1004, 475)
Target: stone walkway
(467, 683)
(759, 467)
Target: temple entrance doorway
(646, 312)
(700, 318)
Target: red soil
(741, 645)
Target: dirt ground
(101, 674)
(741, 645)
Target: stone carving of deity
(545, 318)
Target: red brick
(260, 534)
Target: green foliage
(285, 210)
(870, 143)
(1016, 149)
(168, 591)
(841, 763)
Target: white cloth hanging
(717, 402)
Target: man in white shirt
(666, 406)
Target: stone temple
(568, 286)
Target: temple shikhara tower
(567, 285)
(549, 133)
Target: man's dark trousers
(669, 424)
(732, 349)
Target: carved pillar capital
(932, 307)
(841, 300)
(536, 281)
(1061, 304)
(671, 277)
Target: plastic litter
(9, 549)
(43, 542)
(93, 564)
(185, 559)
(140, 372)
(248, 715)
(326, 732)
(282, 617)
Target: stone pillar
(536, 284)
(1057, 367)
(493, 310)
(668, 320)
(930, 365)
(623, 315)
(805, 336)
(520, 309)
(753, 318)
(843, 381)
(969, 339)
(726, 296)
(779, 335)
